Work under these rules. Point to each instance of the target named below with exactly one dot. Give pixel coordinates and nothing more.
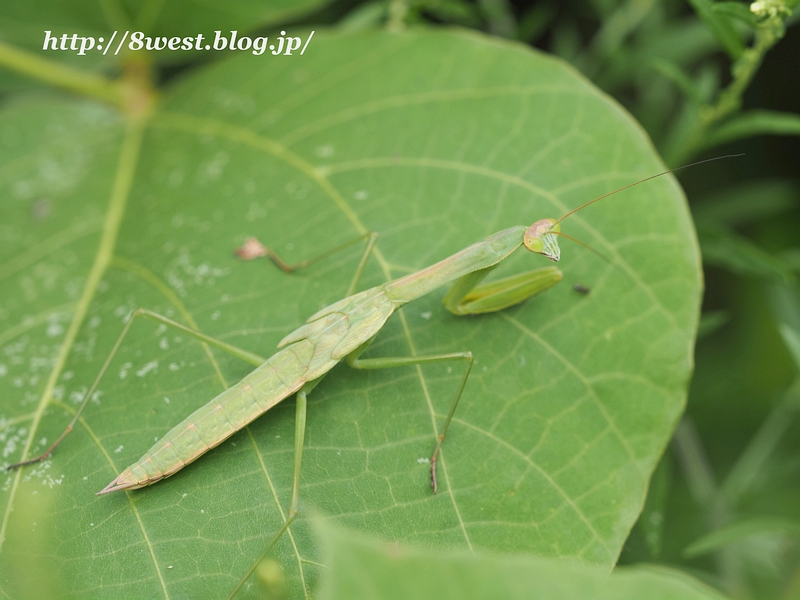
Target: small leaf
(721, 28)
(791, 338)
(748, 201)
(683, 43)
(739, 531)
(456, 12)
(785, 303)
(535, 20)
(711, 322)
(752, 123)
(364, 16)
(725, 248)
(738, 10)
(676, 75)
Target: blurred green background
(703, 79)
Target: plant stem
(54, 73)
(768, 32)
(398, 10)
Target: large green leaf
(434, 140)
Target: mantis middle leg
(466, 298)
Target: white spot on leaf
(123, 372)
(151, 366)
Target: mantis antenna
(540, 237)
(630, 185)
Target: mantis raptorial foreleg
(470, 297)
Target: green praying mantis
(341, 331)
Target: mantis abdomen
(280, 376)
(307, 354)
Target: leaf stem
(398, 11)
(68, 78)
(768, 31)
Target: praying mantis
(340, 332)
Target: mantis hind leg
(244, 355)
(252, 248)
(401, 361)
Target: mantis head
(542, 238)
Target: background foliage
(703, 79)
